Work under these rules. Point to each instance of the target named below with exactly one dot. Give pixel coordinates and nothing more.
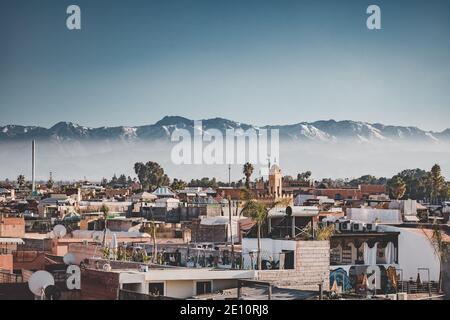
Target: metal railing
(131, 295)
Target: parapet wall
(312, 267)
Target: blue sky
(255, 61)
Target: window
(335, 255)
(204, 287)
(131, 287)
(156, 288)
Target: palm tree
(105, 211)
(397, 187)
(440, 248)
(151, 230)
(247, 171)
(50, 183)
(21, 180)
(258, 213)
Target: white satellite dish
(51, 235)
(69, 259)
(39, 281)
(59, 230)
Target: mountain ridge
(321, 130)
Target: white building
(180, 283)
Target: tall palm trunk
(155, 249)
(104, 235)
(258, 257)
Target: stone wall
(208, 233)
(312, 266)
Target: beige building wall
(180, 288)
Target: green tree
(178, 184)
(397, 187)
(151, 175)
(104, 182)
(437, 182)
(258, 212)
(113, 180)
(129, 181)
(122, 180)
(50, 183)
(416, 181)
(247, 171)
(204, 183)
(304, 176)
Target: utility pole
(229, 175)
(33, 167)
(231, 233)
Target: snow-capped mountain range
(325, 130)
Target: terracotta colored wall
(6, 262)
(12, 227)
(99, 285)
(29, 260)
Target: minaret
(33, 166)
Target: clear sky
(255, 61)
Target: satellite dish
(39, 281)
(52, 292)
(289, 211)
(69, 259)
(51, 235)
(59, 230)
(106, 267)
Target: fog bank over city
(74, 160)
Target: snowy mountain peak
(323, 130)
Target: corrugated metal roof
(11, 241)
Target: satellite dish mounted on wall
(52, 293)
(59, 230)
(289, 211)
(69, 259)
(39, 281)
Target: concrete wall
(446, 275)
(416, 251)
(180, 289)
(269, 248)
(312, 266)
